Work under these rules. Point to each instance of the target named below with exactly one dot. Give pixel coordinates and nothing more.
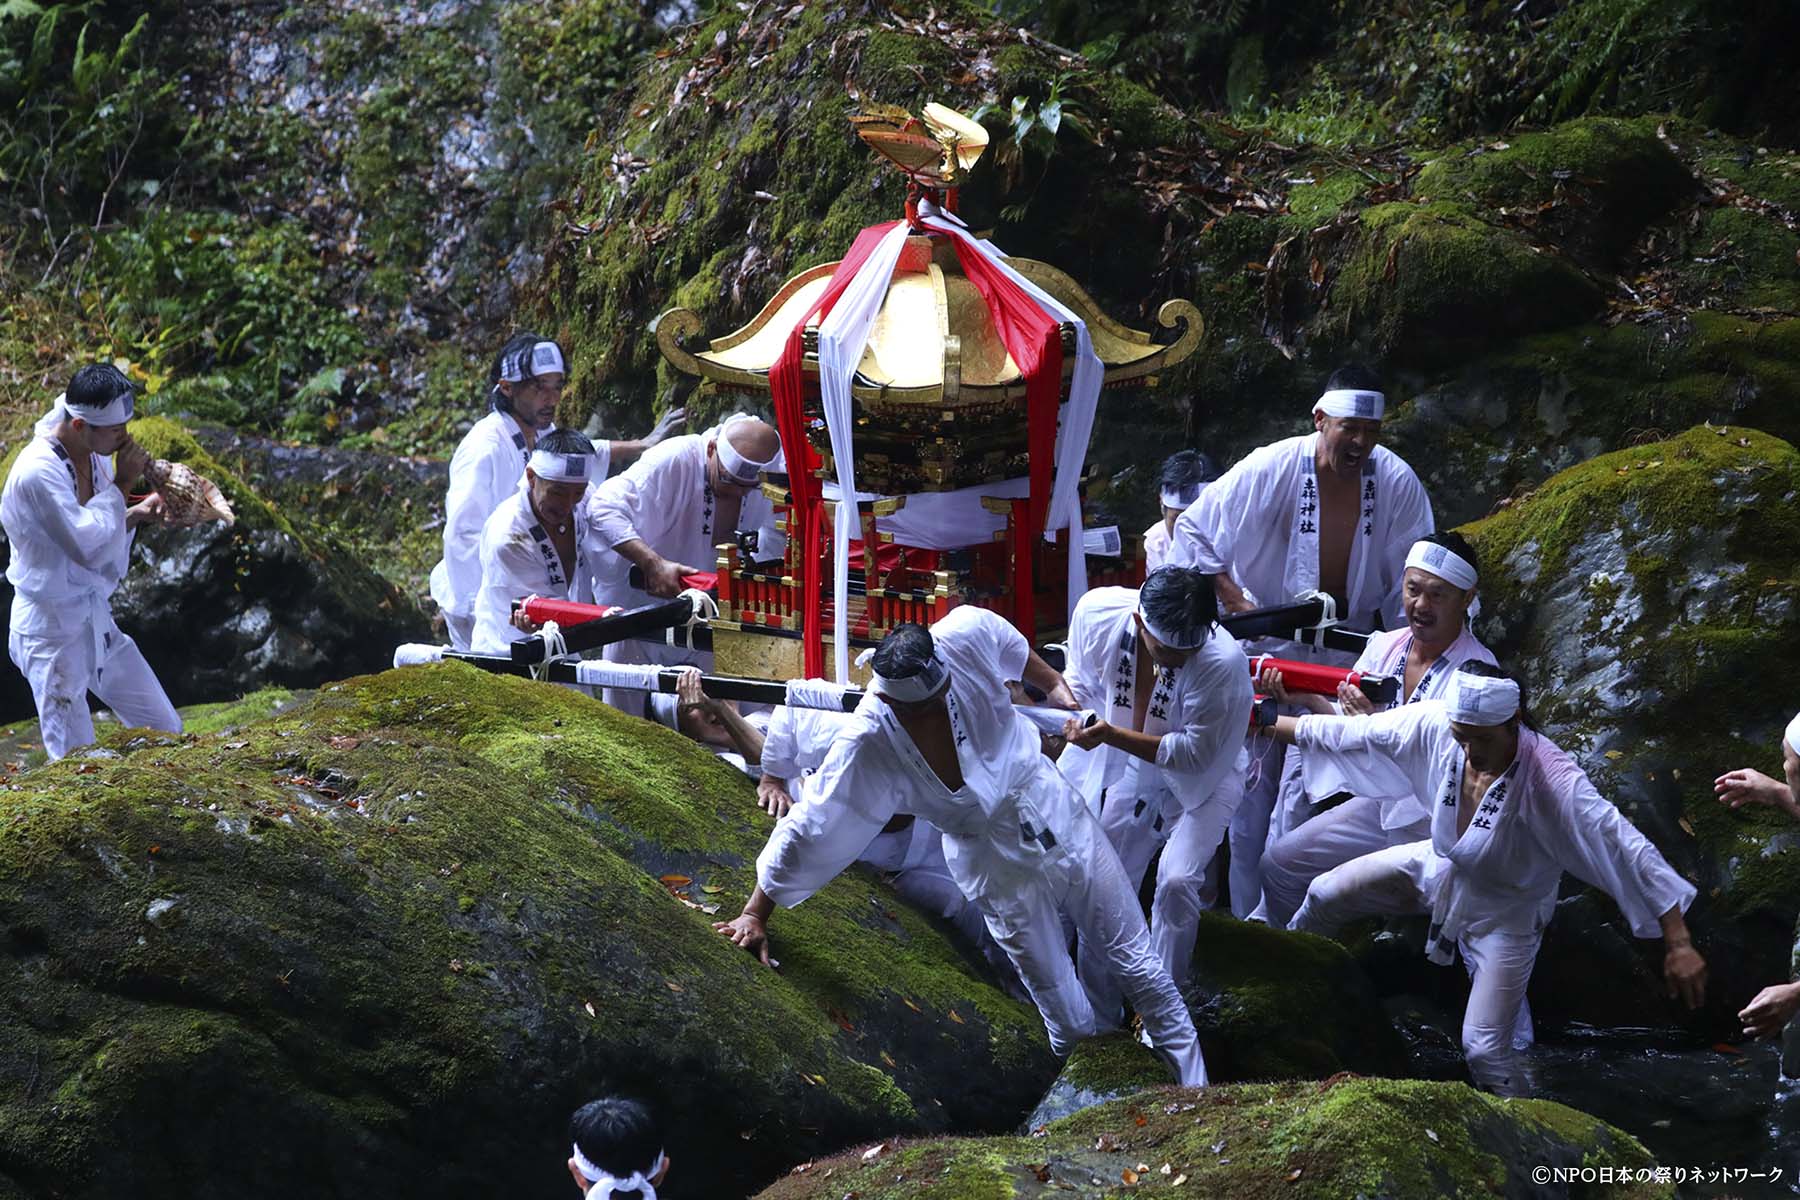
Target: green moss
(1593, 183)
(1113, 1064)
(1270, 1004)
(1315, 203)
(230, 714)
(409, 881)
(1345, 1137)
(1434, 275)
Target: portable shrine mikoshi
(935, 400)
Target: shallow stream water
(1693, 1107)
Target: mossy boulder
(730, 165)
(1344, 1137)
(1649, 598)
(274, 598)
(1590, 185)
(1270, 1004)
(1422, 280)
(401, 929)
(1099, 1070)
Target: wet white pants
(1293, 860)
(63, 670)
(1103, 906)
(1497, 1023)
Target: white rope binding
(705, 609)
(555, 648)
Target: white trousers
(1294, 859)
(1250, 823)
(62, 671)
(1136, 826)
(461, 628)
(1497, 1022)
(1103, 906)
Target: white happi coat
(1540, 818)
(1385, 654)
(485, 470)
(1015, 823)
(518, 559)
(1258, 523)
(1156, 546)
(67, 557)
(1200, 710)
(798, 739)
(665, 500)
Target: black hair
(1353, 377)
(904, 652)
(96, 385)
(1187, 470)
(1486, 670)
(565, 441)
(1456, 544)
(618, 1135)
(1182, 601)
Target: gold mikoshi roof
(934, 342)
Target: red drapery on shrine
(787, 388)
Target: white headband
(1167, 638)
(545, 358)
(1353, 403)
(604, 1184)
(561, 468)
(116, 411)
(1443, 562)
(1483, 700)
(1792, 736)
(741, 469)
(1182, 498)
(911, 688)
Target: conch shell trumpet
(189, 498)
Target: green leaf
(1050, 114)
(19, 8)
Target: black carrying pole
(651, 623)
(718, 687)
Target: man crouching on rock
(70, 527)
(938, 738)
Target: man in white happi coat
(938, 738)
(531, 546)
(70, 528)
(1437, 593)
(666, 516)
(1184, 473)
(1510, 812)
(526, 383)
(1330, 512)
(1166, 762)
(909, 852)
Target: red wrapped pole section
(565, 612)
(1320, 680)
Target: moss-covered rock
(1340, 1138)
(731, 165)
(411, 923)
(1640, 595)
(1591, 185)
(1270, 1004)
